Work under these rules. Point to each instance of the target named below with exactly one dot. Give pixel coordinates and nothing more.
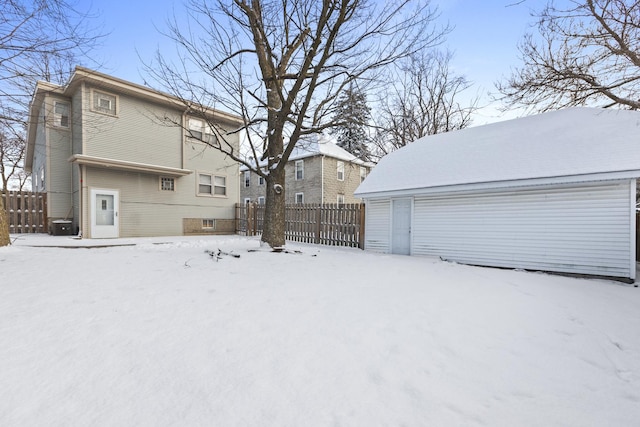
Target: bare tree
(39, 40)
(586, 53)
(424, 99)
(281, 65)
(12, 148)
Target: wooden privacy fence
(26, 211)
(326, 224)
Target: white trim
(102, 162)
(502, 185)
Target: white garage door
(586, 230)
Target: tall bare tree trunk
(274, 210)
(4, 225)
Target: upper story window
(340, 170)
(363, 173)
(105, 103)
(211, 185)
(261, 178)
(61, 114)
(200, 130)
(299, 169)
(247, 178)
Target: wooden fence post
(362, 230)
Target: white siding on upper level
(584, 229)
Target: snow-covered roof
(320, 145)
(573, 142)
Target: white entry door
(104, 214)
(401, 227)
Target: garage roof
(576, 144)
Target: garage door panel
(579, 230)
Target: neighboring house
(318, 171)
(101, 149)
(552, 192)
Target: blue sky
(484, 39)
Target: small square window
(340, 199)
(104, 103)
(261, 200)
(300, 198)
(167, 184)
(208, 224)
(340, 170)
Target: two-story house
(318, 172)
(101, 148)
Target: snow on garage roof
(564, 143)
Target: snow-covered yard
(163, 335)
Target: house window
(261, 180)
(363, 173)
(104, 103)
(167, 184)
(299, 166)
(261, 200)
(208, 224)
(61, 114)
(299, 198)
(340, 199)
(200, 130)
(247, 178)
(219, 186)
(211, 185)
(340, 170)
(195, 128)
(205, 184)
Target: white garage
(552, 192)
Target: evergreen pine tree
(353, 115)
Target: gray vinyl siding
(377, 225)
(76, 148)
(145, 210)
(581, 229)
(134, 135)
(39, 153)
(58, 177)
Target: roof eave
(495, 185)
